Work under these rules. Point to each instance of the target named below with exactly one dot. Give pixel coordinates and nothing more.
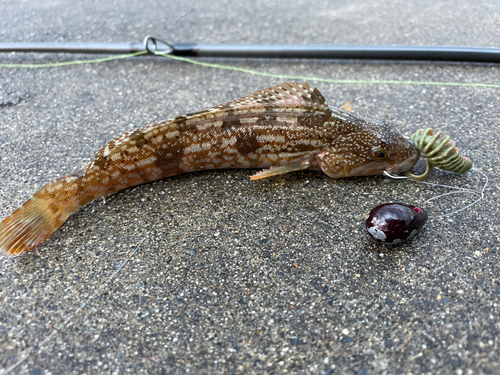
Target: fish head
(367, 148)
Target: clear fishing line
(40, 346)
(478, 193)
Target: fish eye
(379, 153)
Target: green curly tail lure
(438, 153)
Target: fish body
(283, 129)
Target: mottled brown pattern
(301, 147)
(230, 123)
(267, 118)
(288, 127)
(100, 162)
(138, 138)
(247, 143)
(310, 119)
(169, 161)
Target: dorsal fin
(285, 95)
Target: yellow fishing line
(255, 72)
(375, 82)
(53, 65)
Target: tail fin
(43, 214)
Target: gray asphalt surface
(226, 275)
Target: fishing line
(75, 62)
(329, 80)
(255, 72)
(461, 190)
(107, 282)
(479, 193)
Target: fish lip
(405, 165)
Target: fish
(285, 128)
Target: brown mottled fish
(285, 128)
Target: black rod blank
(469, 54)
(350, 52)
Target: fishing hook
(423, 176)
(410, 176)
(394, 176)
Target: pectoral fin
(274, 171)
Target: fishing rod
(153, 45)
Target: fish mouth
(405, 165)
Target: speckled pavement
(212, 273)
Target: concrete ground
(213, 273)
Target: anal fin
(274, 171)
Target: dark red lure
(393, 223)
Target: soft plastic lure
(440, 153)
